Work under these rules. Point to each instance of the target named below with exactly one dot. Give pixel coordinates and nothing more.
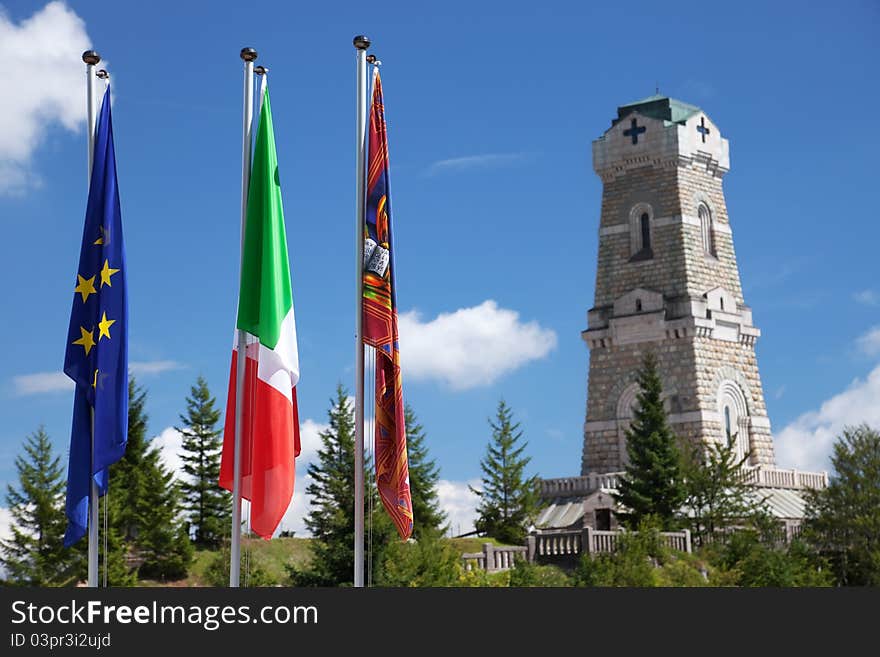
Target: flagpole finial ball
(91, 57)
(261, 70)
(248, 54)
(103, 74)
(371, 59)
(361, 42)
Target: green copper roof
(659, 107)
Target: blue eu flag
(96, 357)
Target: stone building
(667, 281)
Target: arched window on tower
(641, 215)
(733, 409)
(706, 233)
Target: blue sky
(491, 110)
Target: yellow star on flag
(87, 339)
(95, 382)
(85, 287)
(104, 327)
(104, 233)
(106, 273)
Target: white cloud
(47, 382)
(807, 441)
(42, 382)
(43, 81)
(869, 343)
(169, 442)
(459, 503)
(146, 368)
(470, 347)
(471, 162)
(867, 297)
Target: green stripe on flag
(265, 296)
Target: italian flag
(270, 427)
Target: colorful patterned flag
(96, 357)
(380, 325)
(270, 426)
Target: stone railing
(568, 542)
(495, 557)
(759, 475)
(572, 486)
(777, 478)
(560, 543)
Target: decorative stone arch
(734, 404)
(637, 232)
(729, 373)
(699, 198)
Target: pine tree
(331, 518)
(508, 501)
(208, 506)
(35, 554)
(717, 496)
(148, 517)
(843, 520)
(652, 484)
(423, 477)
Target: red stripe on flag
(270, 444)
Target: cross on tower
(702, 129)
(634, 131)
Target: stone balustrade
(568, 542)
(572, 486)
(778, 478)
(760, 475)
(495, 557)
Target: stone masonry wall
(665, 272)
(612, 371)
(692, 370)
(705, 272)
(716, 361)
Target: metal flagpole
(361, 43)
(248, 55)
(91, 59)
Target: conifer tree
(35, 554)
(509, 501)
(652, 484)
(148, 517)
(843, 520)
(331, 518)
(717, 496)
(208, 507)
(423, 477)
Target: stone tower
(667, 282)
